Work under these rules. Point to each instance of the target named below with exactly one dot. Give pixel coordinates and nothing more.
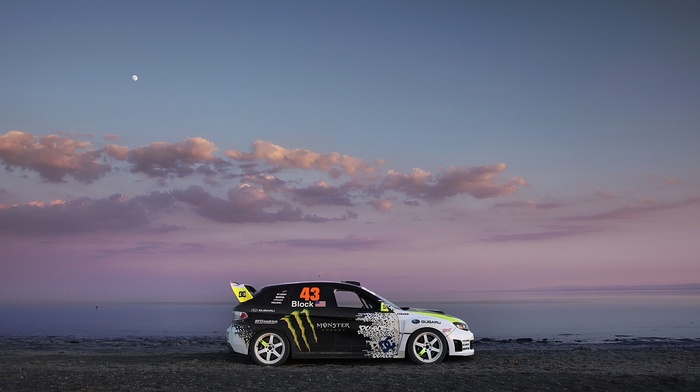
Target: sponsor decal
(429, 322)
(310, 294)
(279, 298)
(387, 344)
(441, 316)
(241, 292)
(415, 321)
(268, 322)
(330, 326)
(379, 330)
(298, 326)
(256, 310)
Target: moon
(134, 77)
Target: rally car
(338, 320)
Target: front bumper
(461, 343)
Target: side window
(350, 299)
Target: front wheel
(269, 348)
(427, 346)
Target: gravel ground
(204, 364)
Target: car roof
(333, 282)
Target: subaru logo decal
(415, 321)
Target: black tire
(269, 348)
(427, 346)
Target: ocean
(586, 316)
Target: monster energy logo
(294, 321)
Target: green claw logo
(294, 321)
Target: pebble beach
(205, 364)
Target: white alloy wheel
(427, 346)
(269, 348)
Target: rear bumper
(235, 341)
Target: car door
(373, 329)
(319, 326)
(307, 304)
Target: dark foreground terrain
(204, 364)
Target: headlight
(463, 326)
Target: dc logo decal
(387, 344)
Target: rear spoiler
(243, 292)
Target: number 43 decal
(310, 294)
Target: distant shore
(204, 364)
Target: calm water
(564, 316)
(587, 316)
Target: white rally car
(338, 320)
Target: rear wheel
(269, 348)
(427, 346)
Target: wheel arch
(277, 331)
(444, 340)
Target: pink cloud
(531, 204)
(117, 152)
(80, 215)
(261, 196)
(268, 182)
(162, 159)
(637, 212)
(416, 183)
(332, 163)
(479, 182)
(245, 204)
(553, 232)
(115, 213)
(53, 157)
(248, 196)
(320, 193)
(382, 205)
(349, 243)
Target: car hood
(410, 309)
(439, 314)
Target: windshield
(388, 303)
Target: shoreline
(17, 339)
(204, 364)
(206, 344)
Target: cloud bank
(53, 157)
(267, 185)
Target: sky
(415, 146)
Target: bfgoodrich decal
(268, 322)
